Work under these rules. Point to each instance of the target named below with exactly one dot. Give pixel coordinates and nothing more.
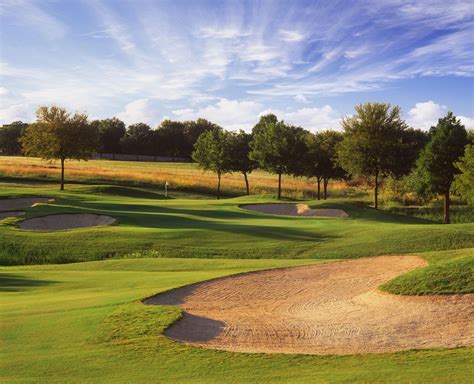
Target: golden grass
(185, 176)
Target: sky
(309, 62)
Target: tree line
(173, 139)
(374, 143)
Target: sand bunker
(332, 308)
(4, 215)
(294, 210)
(66, 221)
(24, 202)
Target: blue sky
(309, 62)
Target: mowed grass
(150, 226)
(84, 323)
(181, 176)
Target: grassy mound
(448, 272)
(214, 229)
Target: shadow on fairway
(159, 217)
(17, 283)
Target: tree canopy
(111, 132)
(436, 165)
(10, 135)
(320, 160)
(373, 140)
(464, 181)
(138, 139)
(211, 152)
(57, 134)
(276, 146)
(239, 149)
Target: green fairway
(83, 323)
(155, 227)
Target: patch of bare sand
(23, 202)
(289, 209)
(66, 221)
(332, 308)
(4, 215)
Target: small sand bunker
(4, 215)
(332, 308)
(294, 210)
(24, 202)
(66, 221)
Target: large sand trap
(66, 221)
(332, 308)
(4, 215)
(294, 210)
(24, 202)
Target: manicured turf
(83, 323)
(156, 227)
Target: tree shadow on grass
(16, 283)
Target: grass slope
(150, 226)
(84, 323)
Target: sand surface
(24, 202)
(66, 221)
(4, 215)
(332, 308)
(294, 210)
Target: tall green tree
(239, 150)
(276, 146)
(436, 165)
(464, 181)
(373, 141)
(319, 161)
(171, 139)
(211, 152)
(59, 135)
(111, 132)
(192, 131)
(10, 135)
(138, 140)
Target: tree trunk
(376, 192)
(279, 186)
(326, 181)
(247, 183)
(319, 187)
(446, 208)
(218, 185)
(62, 174)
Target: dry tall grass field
(181, 176)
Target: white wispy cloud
(291, 36)
(130, 57)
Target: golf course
(76, 303)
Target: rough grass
(181, 176)
(457, 213)
(84, 323)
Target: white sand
(332, 308)
(24, 202)
(66, 221)
(288, 209)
